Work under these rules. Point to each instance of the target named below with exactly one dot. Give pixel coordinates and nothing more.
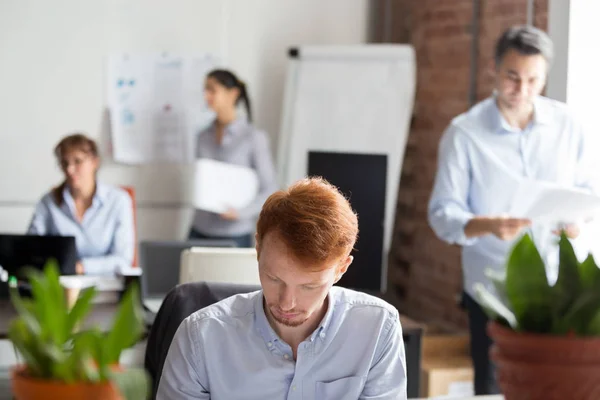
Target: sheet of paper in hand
(219, 186)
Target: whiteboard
(356, 99)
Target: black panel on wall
(362, 179)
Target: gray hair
(525, 39)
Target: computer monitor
(160, 262)
(362, 179)
(18, 251)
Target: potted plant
(546, 338)
(62, 361)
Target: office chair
(181, 302)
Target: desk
(102, 315)
(412, 332)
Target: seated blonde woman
(99, 216)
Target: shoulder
(352, 302)
(555, 110)
(48, 200)
(207, 131)
(229, 312)
(553, 105)
(462, 128)
(114, 194)
(476, 118)
(256, 135)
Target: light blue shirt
(229, 351)
(481, 162)
(242, 145)
(105, 238)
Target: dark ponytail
(230, 81)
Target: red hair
(313, 219)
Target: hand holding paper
(545, 202)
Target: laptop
(18, 251)
(160, 261)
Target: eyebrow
(311, 283)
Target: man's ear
(342, 268)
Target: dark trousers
(485, 379)
(240, 241)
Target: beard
(298, 319)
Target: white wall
(52, 81)
(573, 27)
(558, 29)
(574, 79)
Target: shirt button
(269, 344)
(322, 335)
(294, 388)
(286, 356)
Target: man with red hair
(299, 337)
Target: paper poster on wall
(156, 106)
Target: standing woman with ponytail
(233, 139)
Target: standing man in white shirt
(485, 153)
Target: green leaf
(568, 285)
(589, 273)
(26, 309)
(593, 327)
(527, 289)
(80, 309)
(45, 310)
(57, 298)
(86, 351)
(128, 326)
(134, 383)
(20, 336)
(578, 317)
(494, 308)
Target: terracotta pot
(545, 367)
(25, 387)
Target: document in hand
(546, 202)
(219, 186)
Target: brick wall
(425, 278)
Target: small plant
(526, 302)
(46, 334)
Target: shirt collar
(233, 128)
(99, 195)
(266, 330)
(541, 116)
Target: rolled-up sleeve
(448, 210)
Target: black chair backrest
(181, 302)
